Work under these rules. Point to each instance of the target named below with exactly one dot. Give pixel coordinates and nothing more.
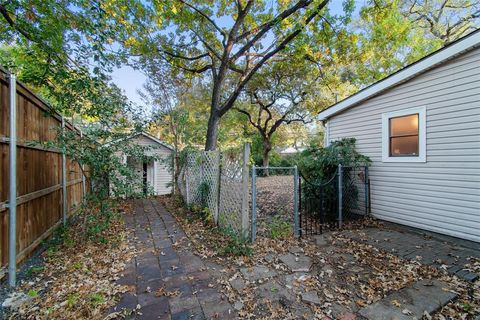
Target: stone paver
(411, 302)
(165, 265)
(449, 253)
(257, 273)
(297, 263)
(311, 297)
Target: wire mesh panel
(219, 182)
(202, 170)
(274, 199)
(231, 191)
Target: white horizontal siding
(162, 177)
(443, 194)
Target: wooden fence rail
(40, 183)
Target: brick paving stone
(431, 249)
(208, 295)
(157, 310)
(217, 309)
(160, 263)
(127, 301)
(422, 296)
(192, 314)
(144, 285)
(178, 304)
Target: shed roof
(446, 53)
(160, 142)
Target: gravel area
(23, 274)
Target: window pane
(406, 125)
(404, 146)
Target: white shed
(421, 128)
(156, 175)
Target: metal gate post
(64, 175)
(340, 195)
(84, 182)
(187, 185)
(218, 190)
(12, 201)
(244, 218)
(300, 216)
(366, 190)
(254, 203)
(296, 230)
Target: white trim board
(446, 53)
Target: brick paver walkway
(451, 253)
(166, 261)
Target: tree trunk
(267, 147)
(212, 130)
(266, 156)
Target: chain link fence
(282, 202)
(275, 201)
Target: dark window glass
(404, 136)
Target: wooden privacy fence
(49, 185)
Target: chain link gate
(343, 197)
(275, 201)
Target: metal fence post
(84, 182)
(187, 184)
(254, 203)
(245, 193)
(296, 230)
(340, 195)
(12, 201)
(64, 175)
(366, 190)
(219, 177)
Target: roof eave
(446, 53)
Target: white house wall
(163, 176)
(443, 194)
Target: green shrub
(237, 245)
(279, 228)
(319, 166)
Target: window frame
(386, 157)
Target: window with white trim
(403, 135)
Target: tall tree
(446, 20)
(277, 97)
(229, 40)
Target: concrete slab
(411, 302)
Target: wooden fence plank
(39, 198)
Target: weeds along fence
(219, 182)
(48, 185)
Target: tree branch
(175, 55)
(257, 66)
(205, 16)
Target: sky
(130, 80)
